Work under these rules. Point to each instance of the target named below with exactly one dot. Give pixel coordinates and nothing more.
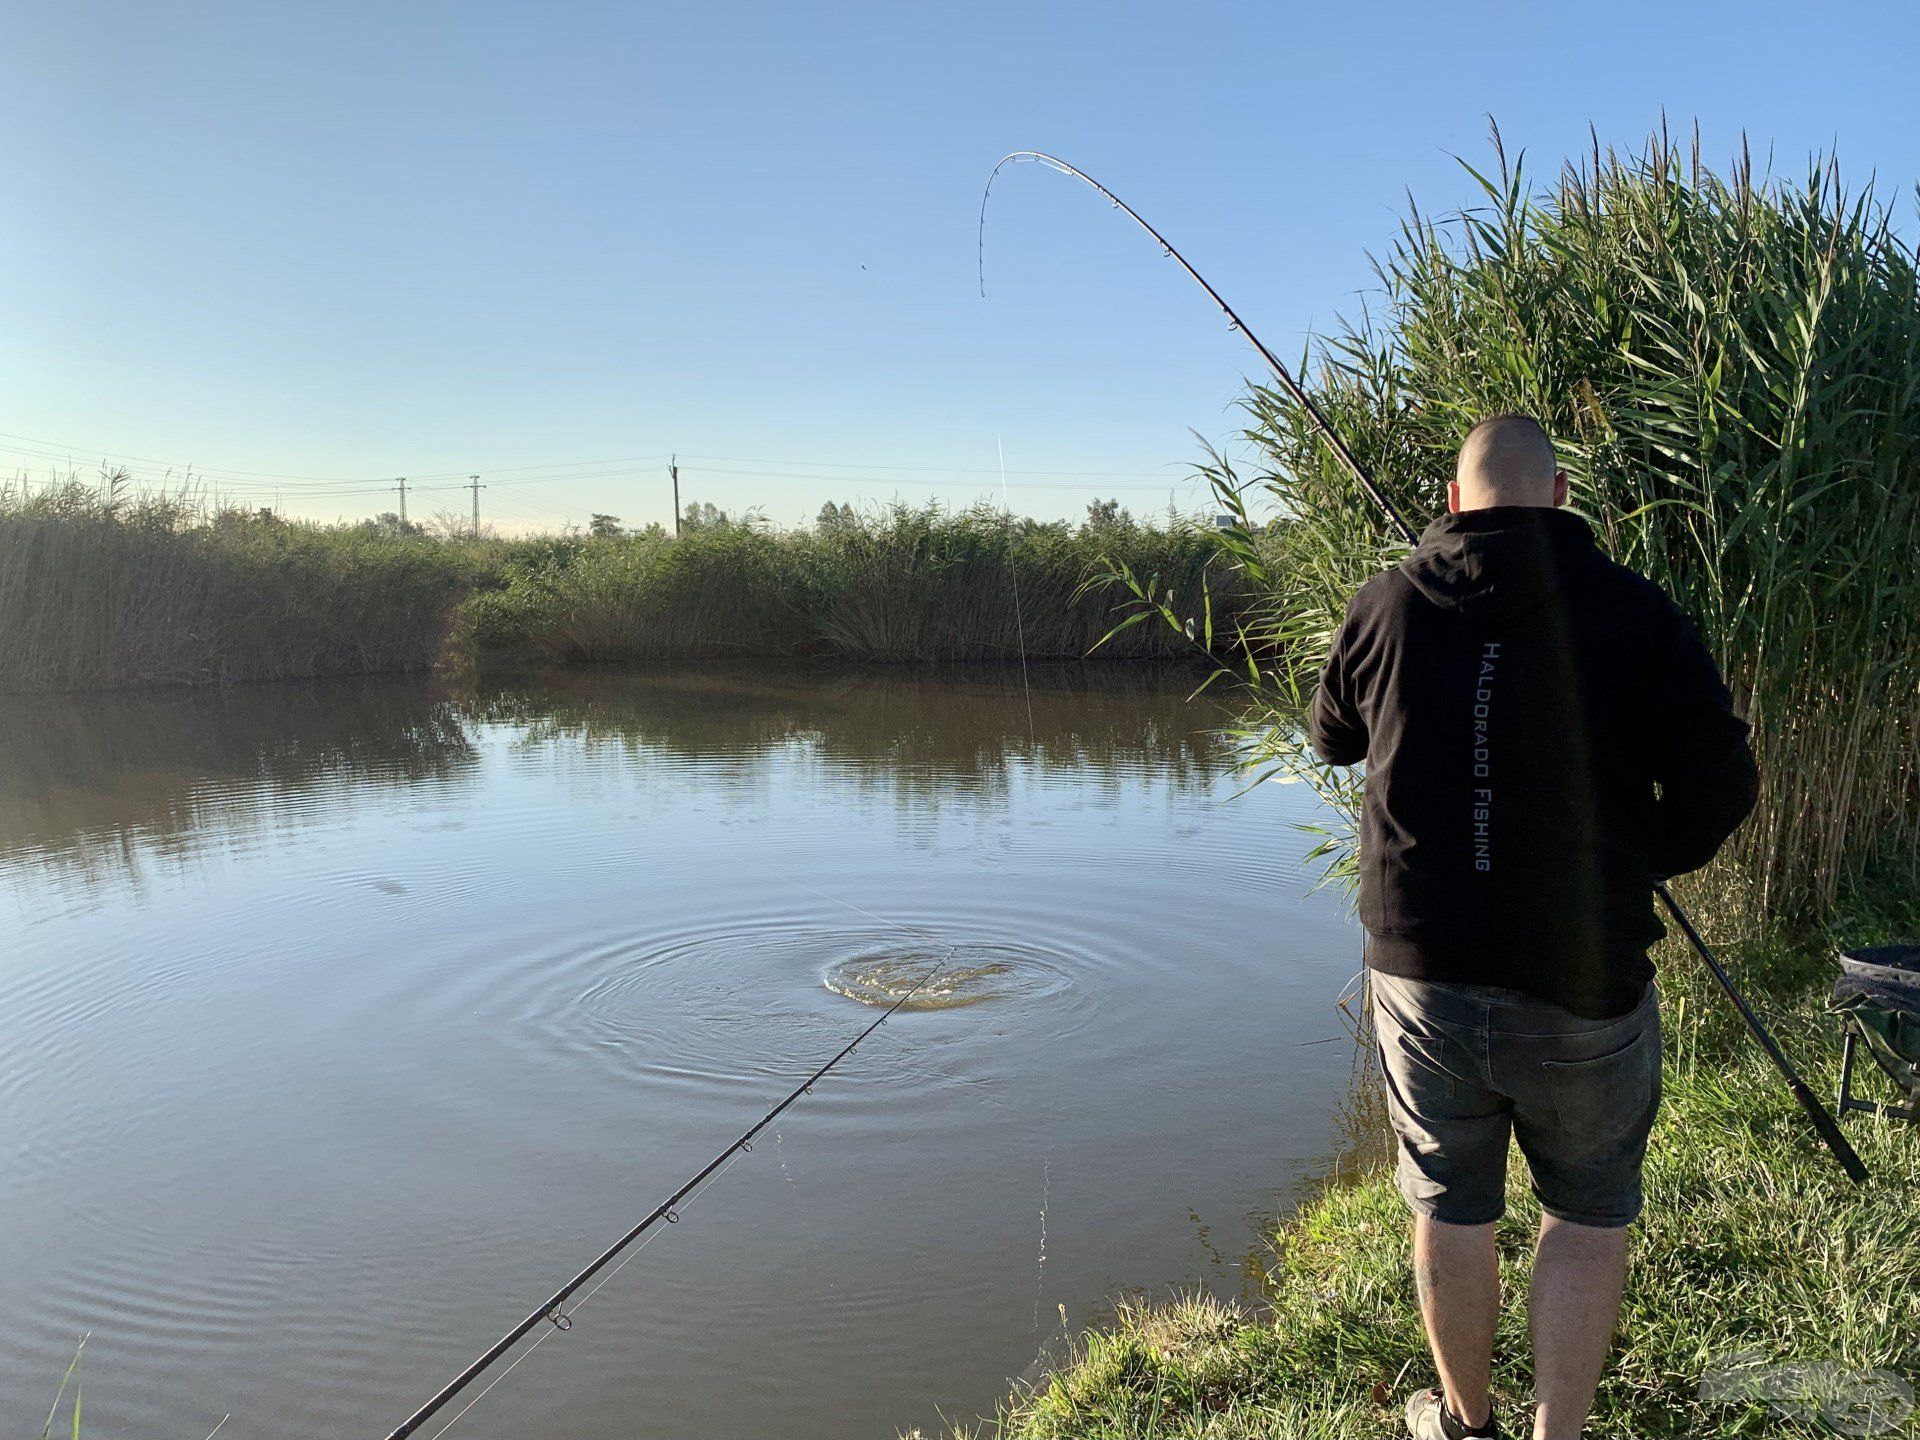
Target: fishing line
(1300, 396)
(1013, 575)
(849, 905)
(1816, 1112)
(1046, 1198)
(667, 1211)
(1033, 747)
(802, 1212)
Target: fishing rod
(550, 1310)
(1300, 396)
(1818, 1113)
(1822, 1119)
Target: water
(339, 1024)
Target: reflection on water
(131, 778)
(108, 789)
(339, 1022)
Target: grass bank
(101, 589)
(1753, 1243)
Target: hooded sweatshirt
(1545, 736)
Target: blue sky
(347, 242)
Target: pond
(340, 1024)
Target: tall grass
(1731, 368)
(897, 583)
(100, 589)
(723, 590)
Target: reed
(1731, 368)
(101, 589)
(723, 590)
(896, 583)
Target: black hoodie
(1545, 736)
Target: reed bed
(101, 589)
(1731, 368)
(898, 583)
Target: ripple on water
(966, 975)
(724, 1005)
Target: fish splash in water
(883, 979)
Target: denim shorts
(1468, 1065)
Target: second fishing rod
(1816, 1111)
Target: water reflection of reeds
(92, 784)
(926, 727)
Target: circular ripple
(720, 1005)
(966, 975)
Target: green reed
(900, 582)
(74, 1378)
(101, 588)
(1731, 368)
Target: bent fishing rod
(550, 1311)
(1816, 1111)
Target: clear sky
(346, 242)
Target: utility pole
(402, 487)
(673, 468)
(474, 483)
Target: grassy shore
(102, 589)
(1752, 1242)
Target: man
(1545, 737)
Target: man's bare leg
(1457, 1270)
(1578, 1274)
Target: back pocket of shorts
(1598, 1101)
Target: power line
(509, 512)
(1166, 484)
(62, 451)
(226, 484)
(923, 469)
(511, 495)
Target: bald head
(1506, 460)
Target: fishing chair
(1877, 998)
